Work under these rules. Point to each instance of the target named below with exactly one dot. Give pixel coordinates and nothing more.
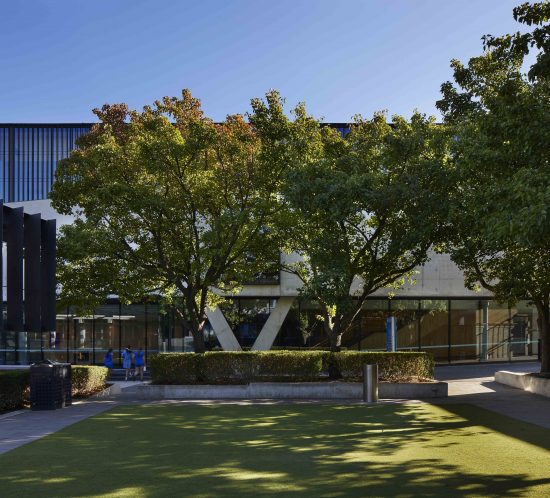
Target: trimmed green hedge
(291, 366)
(392, 367)
(87, 380)
(14, 389)
(235, 368)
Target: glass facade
(29, 156)
(454, 331)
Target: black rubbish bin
(50, 385)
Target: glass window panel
(370, 326)
(498, 330)
(434, 335)
(524, 333)
(408, 316)
(466, 337)
(107, 332)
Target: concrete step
(120, 374)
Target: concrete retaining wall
(536, 385)
(286, 390)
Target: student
(127, 361)
(140, 363)
(108, 360)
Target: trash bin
(50, 385)
(370, 383)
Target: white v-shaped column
(267, 335)
(271, 328)
(223, 331)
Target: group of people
(132, 362)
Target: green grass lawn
(303, 450)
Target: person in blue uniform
(108, 360)
(127, 362)
(140, 363)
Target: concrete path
(24, 426)
(475, 384)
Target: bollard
(370, 383)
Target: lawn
(302, 450)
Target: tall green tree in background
(364, 210)
(168, 202)
(499, 111)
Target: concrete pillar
(269, 332)
(223, 331)
(484, 332)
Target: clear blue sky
(59, 59)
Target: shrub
(175, 368)
(290, 366)
(227, 367)
(87, 380)
(392, 367)
(14, 389)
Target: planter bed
(525, 381)
(285, 390)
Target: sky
(60, 59)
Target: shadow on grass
(277, 450)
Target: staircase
(118, 374)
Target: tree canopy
(499, 112)
(364, 209)
(168, 202)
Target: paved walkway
(475, 384)
(467, 384)
(25, 426)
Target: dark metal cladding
(2, 262)
(32, 272)
(13, 229)
(48, 283)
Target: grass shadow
(277, 450)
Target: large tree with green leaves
(363, 209)
(166, 201)
(499, 109)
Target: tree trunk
(198, 339)
(335, 339)
(334, 335)
(333, 331)
(194, 323)
(544, 331)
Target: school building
(437, 314)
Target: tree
(500, 117)
(166, 202)
(364, 210)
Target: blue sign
(391, 328)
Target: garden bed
(222, 368)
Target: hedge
(290, 366)
(235, 368)
(14, 389)
(392, 367)
(87, 380)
